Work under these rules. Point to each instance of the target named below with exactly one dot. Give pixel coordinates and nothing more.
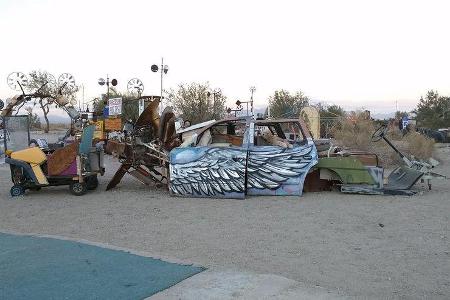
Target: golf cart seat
(35, 157)
(63, 160)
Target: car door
(274, 169)
(215, 170)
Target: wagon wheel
(379, 133)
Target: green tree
(433, 111)
(130, 105)
(197, 103)
(283, 104)
(331, 111)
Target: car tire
(17, 190)
(78, 188)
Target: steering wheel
(379, 133)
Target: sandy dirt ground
(353, 245)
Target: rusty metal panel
(119, 174)
(313, 183)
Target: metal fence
(14, 133)
(327, 125)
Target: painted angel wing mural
(271, 168)
(218, 172)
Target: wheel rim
(77, 188)
(16, 191)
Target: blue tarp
(46, 268)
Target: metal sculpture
(233, 164)
(17, 81)
(208, 172)
(229, 172)
(404, 177)
(135, 85)
(144, 153)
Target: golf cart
(76, 165)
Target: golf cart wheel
(17, 190)
(92, 182)
(78, 188)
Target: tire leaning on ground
(78, 188)
(92, 182)
(17, 190)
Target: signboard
(106, 111)
(113, 124)
(405, 122)
(98, 133)
(115, 106)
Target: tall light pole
(102, 82)
(215, 93)
(164, 69)
(252, 90)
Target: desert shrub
(418, 145)
(59, 126)
(354, 132)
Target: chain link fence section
(15, 133)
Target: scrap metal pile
(144, 151)
(241, 156)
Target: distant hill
(57, 119)
(383, 116)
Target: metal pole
(107, 89)
(141, 103)
(252, 89)
(83, 100)
(162, 70)
(107, 85)
(161, 99)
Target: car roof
(264, 121)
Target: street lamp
(164, 69)
(102, 82)
(239, 104)
(229, 110)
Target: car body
(242, 156)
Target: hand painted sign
(115, 106)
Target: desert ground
(349, 245)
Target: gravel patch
(354, 245)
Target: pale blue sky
(353, 53)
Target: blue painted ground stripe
(46, 268)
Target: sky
(376, 55)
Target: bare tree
(46, 91)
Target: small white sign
(115, 106)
